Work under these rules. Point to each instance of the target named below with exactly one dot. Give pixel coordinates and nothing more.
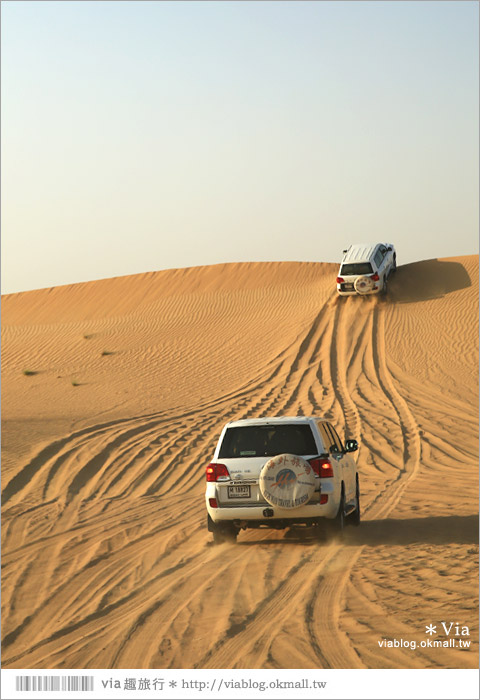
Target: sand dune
(114, 393)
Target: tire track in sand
(327, 601)
(328, 579)
(319, 362)
(332, 648)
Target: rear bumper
(351, 293)
(266, 515)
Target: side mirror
(351, 446)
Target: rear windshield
(356, 269)
(268, 441)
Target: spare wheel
(287, 481)
(363, 285)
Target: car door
(380, 261)
(390, 258)
(328, 442)
(344, 462)
(387, 260)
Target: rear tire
(337, 525)
(231, 535)
(224, 532)
(323, 531)
(355, 517)
(217, 537)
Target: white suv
(279, 472)
(365, 268)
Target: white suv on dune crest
(365, 268)
(281, 472)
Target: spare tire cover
(287, 481)
(363, 285)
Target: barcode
(52, 683)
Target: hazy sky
(140, 136)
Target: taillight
(340, 280)
(323, 498)
(321, 466)
(217, 472)
(375, 277)
(213, 503)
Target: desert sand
(114, 394)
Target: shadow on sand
(439, 530)
(428, 279)
(451, 529)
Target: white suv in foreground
(365, 268)
(279, 472)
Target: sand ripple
(106, 558)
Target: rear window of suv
(267, 441)
(356, 269)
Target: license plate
(239, 491)
(348, 286)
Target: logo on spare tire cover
(285, 478)
(287, 481)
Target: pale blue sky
(140, 136)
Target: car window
(330, 439)
(378, 258)
(356, 269)
(325, 435)
(267, 441)
(338, 443)
(383, 250)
